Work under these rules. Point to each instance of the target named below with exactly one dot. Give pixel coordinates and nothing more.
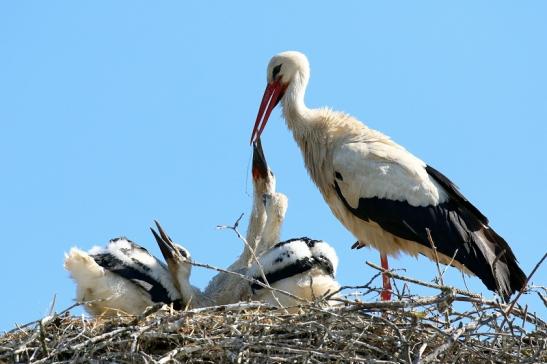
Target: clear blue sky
(113, 114)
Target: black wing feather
(299, 266)
(452, 224)
(158, 293)
(454, 193)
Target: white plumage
(304, 267)
(120, 278)
(276, 205)
(380, 192)
(228, 288)
(380, 168)
(124, 278)
(307, 278)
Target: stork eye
(183, 252)
(275, 71)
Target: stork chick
(178, 263)
(303, 267)
(264, 183)
(227, 288)
(122, 278)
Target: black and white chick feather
(122, 277)
(303, 267)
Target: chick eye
(183, 252)
(276, 71)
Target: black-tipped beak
(358, 245)
(260, 167)
(167, 248)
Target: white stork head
(288, 73)
(284, 66)
(177, 258)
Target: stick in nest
(254, 257)
(512, 305)
(252, 332)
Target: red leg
(386, 291)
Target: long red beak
(272, 95)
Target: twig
(469, 327)
(543, 299)
(440, 274)
(255, 332)
(248, 279)
(43, 338)
(173, 353)
(418, 357)
(366, 285)
(253, 255)
(524, 287)
(423, 283)
(434, 247)
(451, 261)
(20, 327)
(234, 226)
(52, 306)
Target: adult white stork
(123, 277)
(303, 266)
(228, 288)
(383, 194)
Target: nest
(451, 326)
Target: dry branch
(409, 330)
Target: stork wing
(386, 171)
(134, 263)
(383, 183)
(146, 282)
(454, 193)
